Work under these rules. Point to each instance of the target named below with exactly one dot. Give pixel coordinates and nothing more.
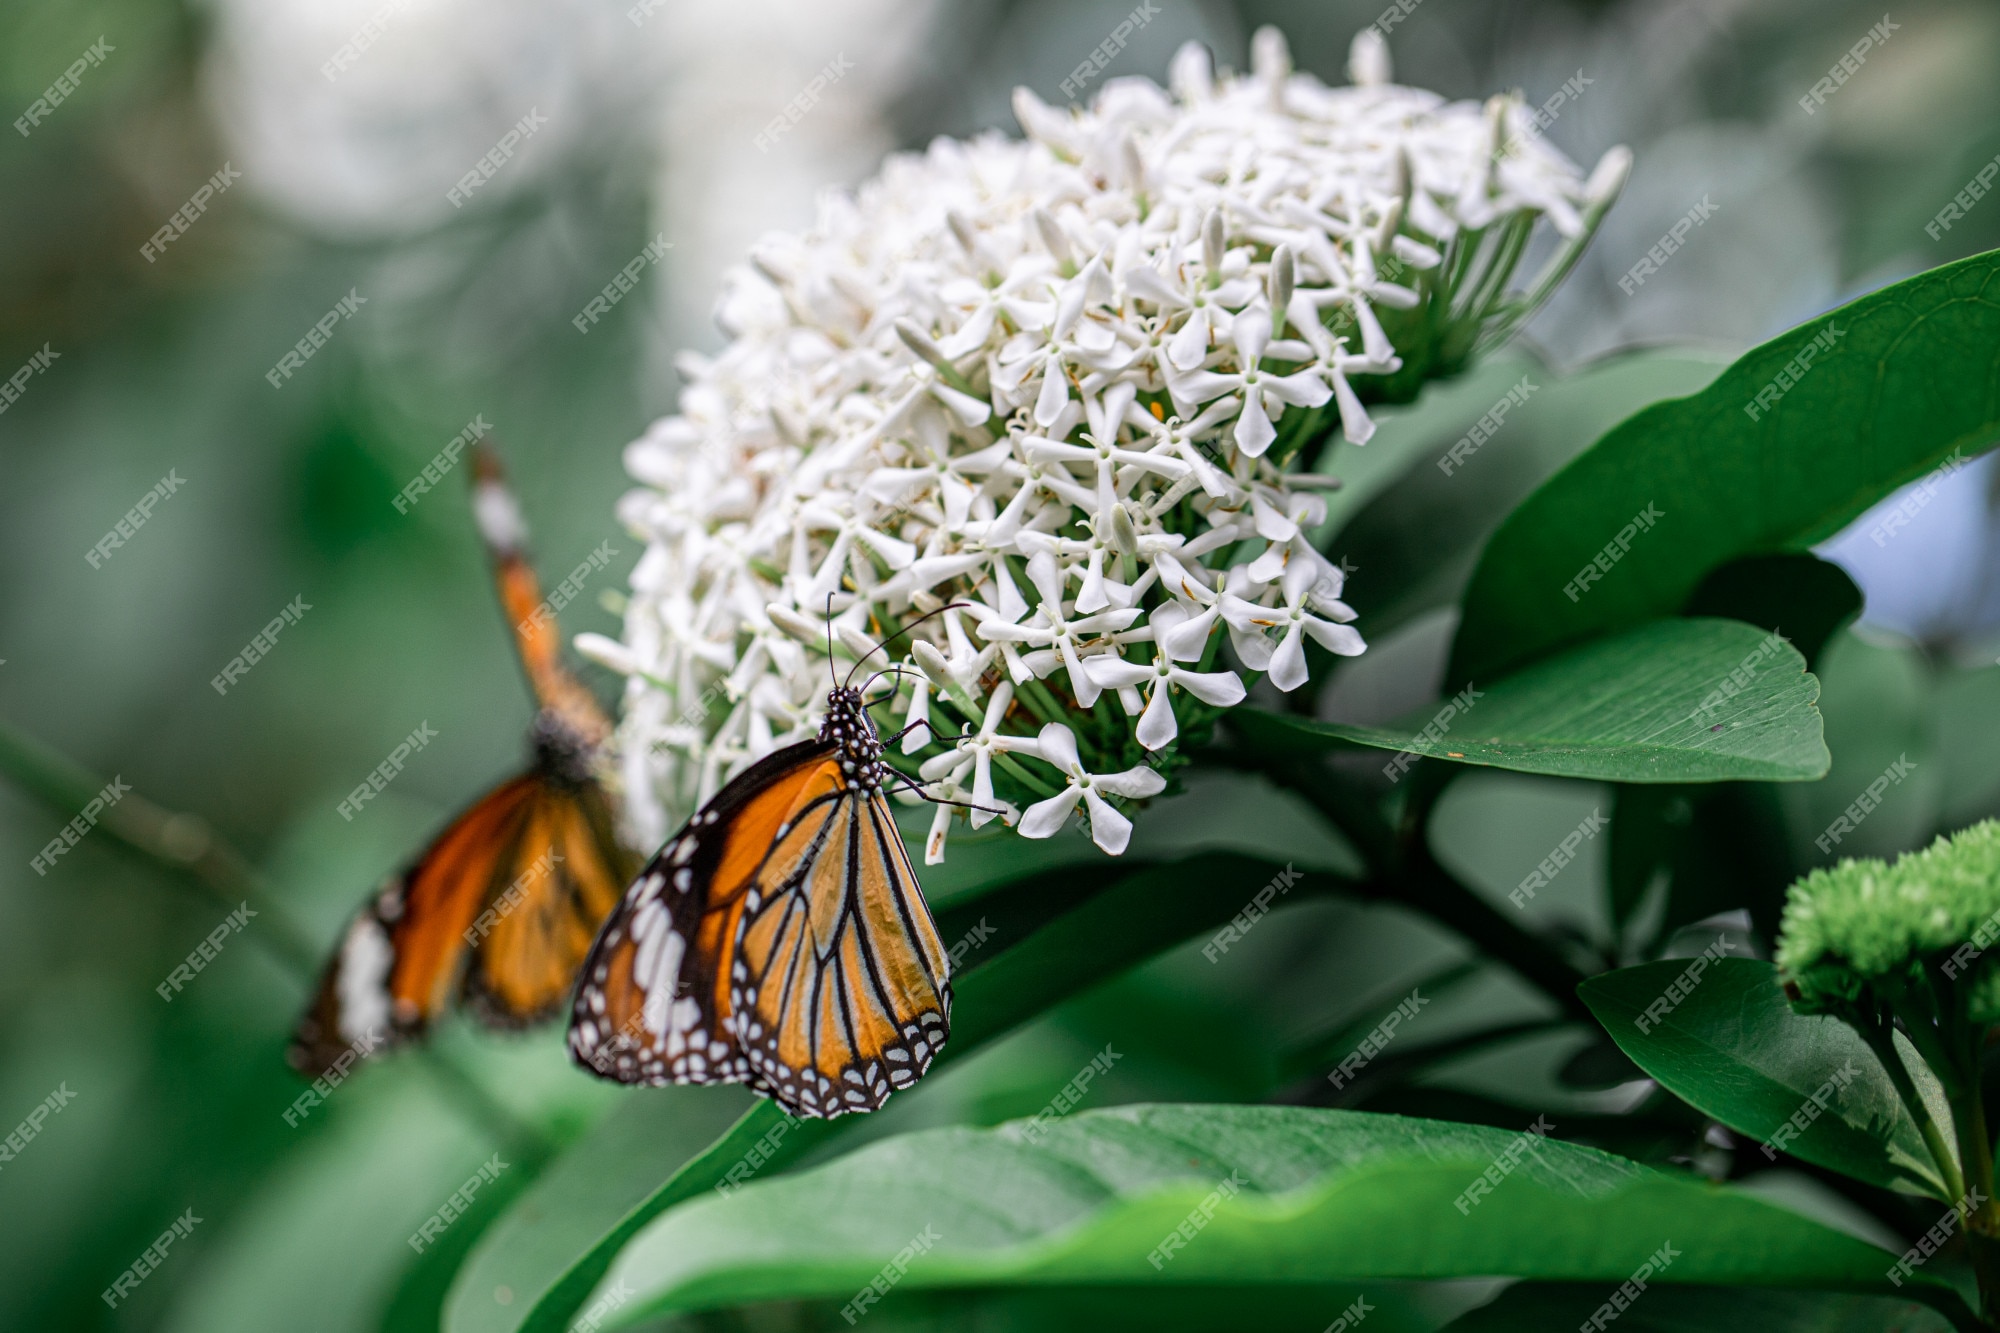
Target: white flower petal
(1058, 747)
(934, 844)
(1186, 641)
(1251, 334)
(607, 652)
(1223, 689)
(1054, 396)
(1137, 782)
(1108, 829)
(1115, 672)
(1342, 639)
(1157, 728)
(1288, 661)
(1254, 431)
(1044, 819)
(1189, 345)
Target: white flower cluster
(1026, 409)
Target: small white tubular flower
(976, 751)
(1108, 829)
(1056, 634)
(1157, 728)
(950, 793)
(1305, 609)
(1025, 416)
(1264, 394)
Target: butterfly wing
(502, 907)
(519, 882)
(654, 1003)
(841, 985)
(400, 959)
(528, 942)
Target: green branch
(1402, 870)
(187, 845)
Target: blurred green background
(651, 119)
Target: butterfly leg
(923, 722)
(910, 786)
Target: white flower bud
(920, 342)
(1191, 76)
(1212, 242)
(799, 626)
(1608, 177)
(1368, 59)
(1124, 537)
(1270, 58)
(1278, 286)
(932, 663)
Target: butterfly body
(779, 939)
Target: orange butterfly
(502, 907)
(779, 939)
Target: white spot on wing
(499, 518)
(363, 988)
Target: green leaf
(579, 1197)
(1305, 1307)
(1800, 596)
(417, 1305)
(1734, 1050)
(1665, 1309)
(1416, 531)
(1624, 709)
(1132, 919)
(1718, 847)
(1318, 1195)
(1408, 436)
(1910, 378)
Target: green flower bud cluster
(1871, 926)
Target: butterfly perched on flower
(780, 939)
(501, 908)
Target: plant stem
(1404, 871)
(1880, 1037)
(1961, 1040)
(180, 842)
(1430, 887)
(186, 844)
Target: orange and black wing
(654, 1003)
(532, 936)
(842, 989)
(400, 960)
(501, 908)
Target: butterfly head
(562, 750)
(848, 726)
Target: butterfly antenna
(953, 606)
(896, 669)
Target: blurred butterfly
(779, 939)
(502, 907)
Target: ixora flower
(1039, 417)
